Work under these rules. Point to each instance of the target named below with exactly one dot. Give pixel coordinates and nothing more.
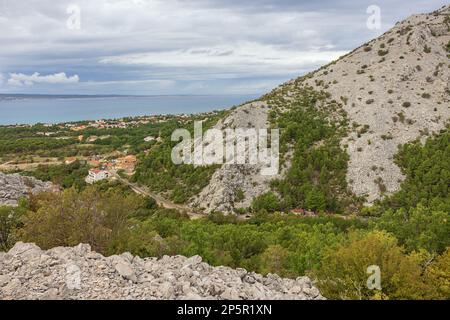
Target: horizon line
(123, 95)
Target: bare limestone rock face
(27, 272)
(394, 89)
(14, 186)
(221, 194)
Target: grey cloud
(172, 46)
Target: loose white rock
(75, 274)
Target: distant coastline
(28, 109)
(18, 96)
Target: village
(121, 123)
(82, 135)
(106, 169)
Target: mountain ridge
(393, 90)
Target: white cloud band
(19, 79)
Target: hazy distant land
(31, 109)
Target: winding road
(159, 200)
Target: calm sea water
(56, 110)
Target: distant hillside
(343, 123)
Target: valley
(364, 181)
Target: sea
(24, 109)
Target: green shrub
(10, 220)
(427, 170)
(72, 217)
(343, 272)
(406, 104)
(239, 195)
(417, 228)
(267, 202)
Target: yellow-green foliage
(71, 218)
(343, 274)
(438, 274)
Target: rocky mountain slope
(14, 186)
(220, 194)
(27, 272)
(393, 90)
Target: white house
(97, 175)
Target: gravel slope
(27, 272)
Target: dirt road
(159, 199)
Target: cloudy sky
(179, 46)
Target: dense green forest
(311, 130)
(316, 178)
(179, 182)
(427, 171)
(325, 248)
(409, 242)
(66, 176)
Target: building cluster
(125, 164)
(112, 123)
(103, 169)
(116, 124)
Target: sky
(189, 47)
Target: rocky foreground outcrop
(27, 272)
(14, 186)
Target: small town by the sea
(105, 148)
